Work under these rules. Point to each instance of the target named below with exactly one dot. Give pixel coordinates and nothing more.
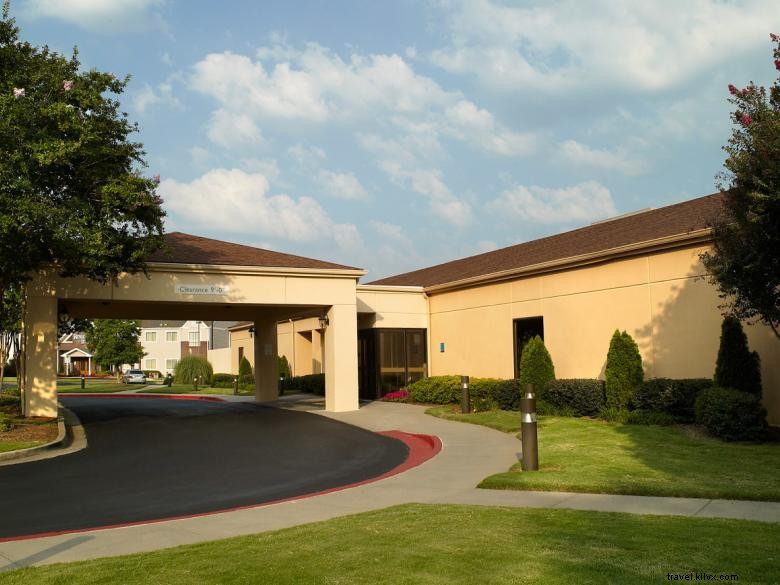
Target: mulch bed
(39, 430)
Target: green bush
(649, 417)
(737, 367)
(244, 367)
(436, 390)
(191, 366)
(613, 414)
(731, 414)
(246, 380)
(676, 398)
(497, 393)
(6, 422)
(623, 374)
(312, 383)
(222, 380)
(536, 366)
(284, 367)
(581, 396)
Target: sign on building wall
(202, 289)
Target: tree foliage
(745, 259)
(10, 325)
(737, 367)
(624, 373)
(536, 365)
(115, 342)
(244, 367)
(284, 367)
(72, 195)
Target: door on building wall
(525, 330)
(390, 359)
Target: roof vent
(622, 215)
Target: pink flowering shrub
(397, 396)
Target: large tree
(745, 259)
(115, 342)
(72, 193)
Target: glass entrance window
(392, 358)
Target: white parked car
(134, 377)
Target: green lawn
(424, 544)
(67, 385)
(187, 389)
(15, 445)
(585, 455)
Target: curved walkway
(469, 454)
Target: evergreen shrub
(536, 365)
(731, 414)
(222, 380)
(244, 367)
(624, 373)
(580, 396)
(737, 367)
(675, 397)
(312, 383)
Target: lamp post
(528, 435)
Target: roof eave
(700, 236)
(354, 273)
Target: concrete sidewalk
(469, 454)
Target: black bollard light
(528, 435)
(235, 386)
(83, 381)
(465, 399)
(195, 383)
(168, 380)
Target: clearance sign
(202, 289)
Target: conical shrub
(737, 367)
(624, 373)
(536, 365)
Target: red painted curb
(117, 395)
(421, 449)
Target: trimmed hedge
(485, 393)
(191, 366)
(580, 396)
(649, 417)
(676, 398)
(245, 381)
(623, 374)
(284, 367)
(313, 384)
(222, 380)
(536, 366)
(731, 414)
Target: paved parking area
(152, 458)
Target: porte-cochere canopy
(201, 278)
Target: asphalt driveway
(159, 458)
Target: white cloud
(148, 96)
(342, 185)
(583, 202)
(233, 130)
(246, 207)
(100, 15)
(582, 154)
(429, 183)
(313, 85)
(469, 122)
(305, 156)
(265, 166)
(567, 45)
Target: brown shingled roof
(623, 231)
(189, 249)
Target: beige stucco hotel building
(640, 273)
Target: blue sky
(396, 135)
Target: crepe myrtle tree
(744, 262)
(72, 194)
